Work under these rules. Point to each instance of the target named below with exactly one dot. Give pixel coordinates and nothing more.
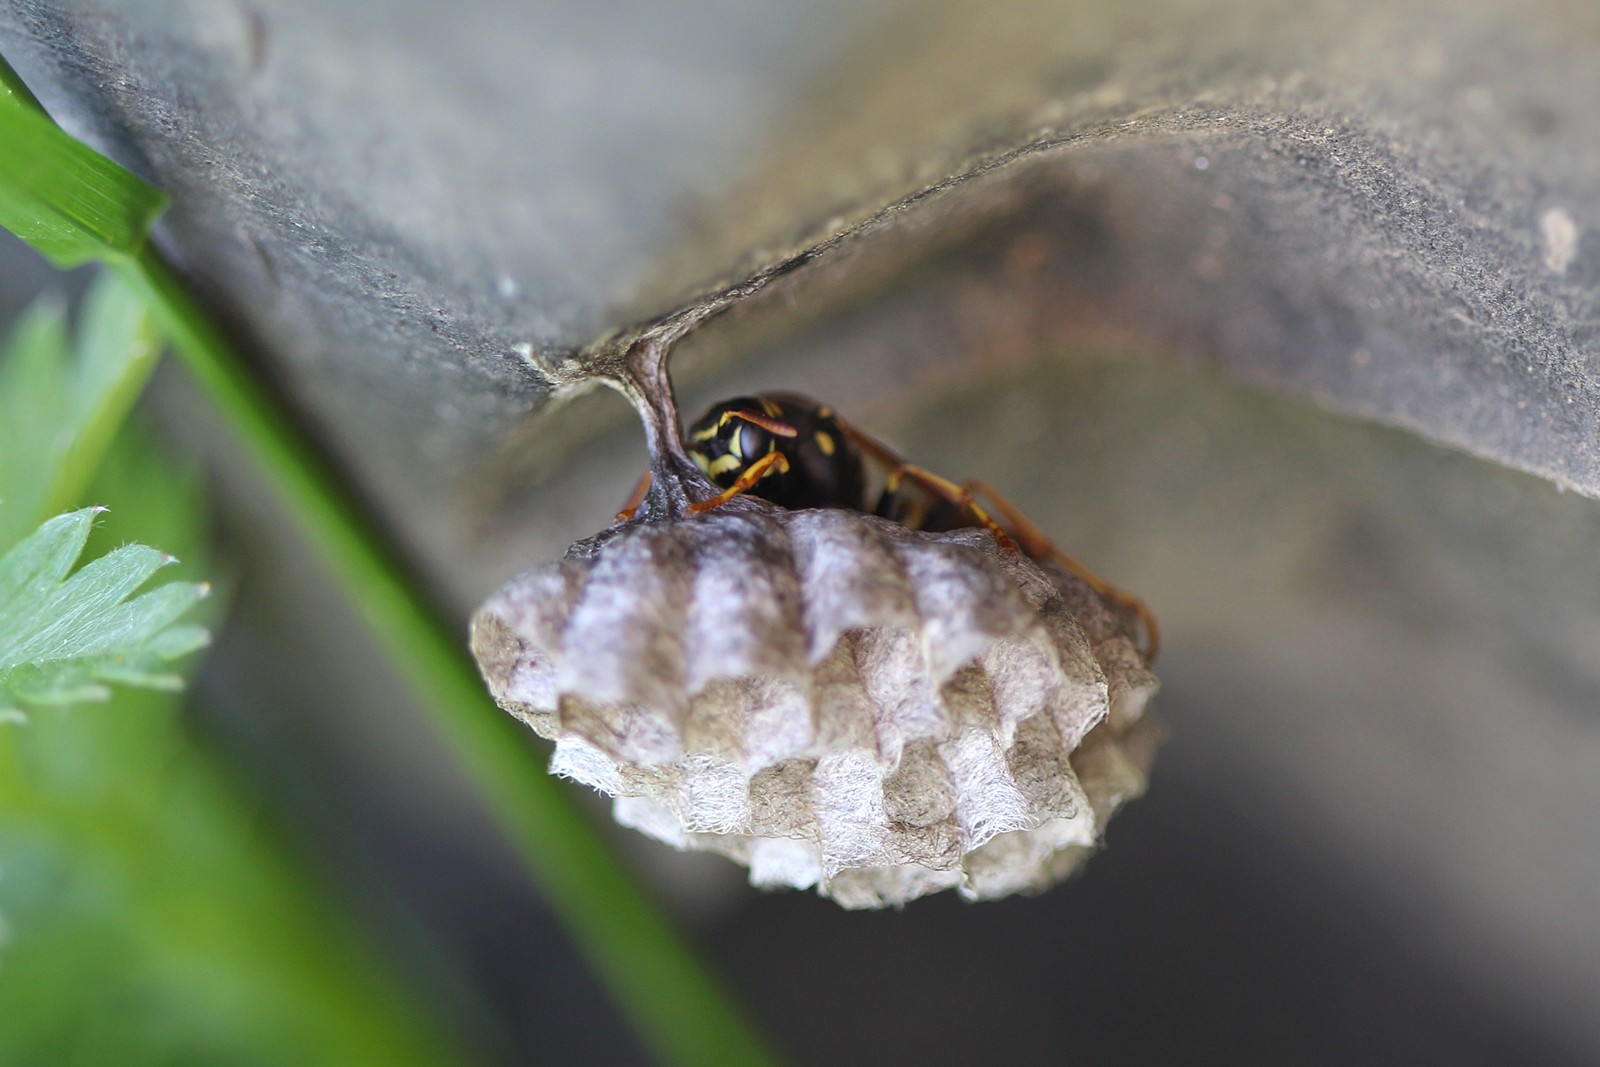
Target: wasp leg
(900, 470)
(767, 464)
(871, 445)
(635, 498)
(891, 506)
(1022, 531)
(889, 502)
(958, 495)
(1036, 544)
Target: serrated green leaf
(59, 408)
(42, 559)
(117, 348)
(62, 638)
(32, 415)
(178, 641)
(64, 198)
(72, 685)
(155, 920)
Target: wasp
(796, 453)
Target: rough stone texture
(1378, 651)
(1382, 205)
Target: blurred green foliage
(148, 917)
(225, 956)
(60, 401)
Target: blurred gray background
(1284, 316)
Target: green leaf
(156, 917)
(32, 390)
(61, 196)
(117, 348)
(60, 403)
(64, 639)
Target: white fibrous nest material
(831, 699)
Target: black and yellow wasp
(797, 453)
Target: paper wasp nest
(828, 697)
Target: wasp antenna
(756, 418)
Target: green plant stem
(678, 1008)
